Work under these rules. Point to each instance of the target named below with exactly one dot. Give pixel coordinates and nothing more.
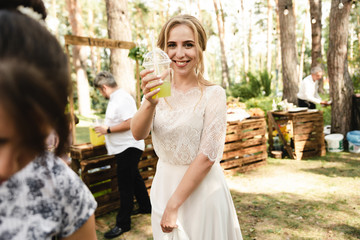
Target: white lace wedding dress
(185, 125)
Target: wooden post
(71, 100)
(95, 42)
(270, 133)
(286, 145)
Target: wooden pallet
(99, 174)
(86, 150)
(245, 145)
(306, 129)
(98, 171)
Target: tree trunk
(244, 41)
(341, 86)
(278, 50)
(315, 18)
(302, 52)
(316, 26)
(288, 51)
(248, 44)
(221, 26)
(358, 34)
(91, 34)
(269, 36)
(79, 58)
(98, 60)
(118, 26)
(294, 10)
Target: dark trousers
(130, 184)
(305, 103)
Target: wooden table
(305, 128)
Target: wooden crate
(245, 145)
(99, 174)
(306, 129)
(98, 171)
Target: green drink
(160, 62)
(165, 90)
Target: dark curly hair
(34, 77)
(37, 5)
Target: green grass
(309, 199)
(82, 135)
(82, 128)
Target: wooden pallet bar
(306, 129)
(98, 171)
(245, 145)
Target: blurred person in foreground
(40, 196)
(308, 95)
(189, 194)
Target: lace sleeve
(214, 130)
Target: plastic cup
(96, 140)
(160, 62)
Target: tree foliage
(259, 84)
(147, 16)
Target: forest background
(284, 199)
(249, 45)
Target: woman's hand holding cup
(148, 82)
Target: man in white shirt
(308, 92)
(127, 151)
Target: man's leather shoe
(115, 231)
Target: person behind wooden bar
(308, 94)
(40, 196)
(189, 195)
(120, 142)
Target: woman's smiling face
(181, 49)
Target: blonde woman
(189, 194)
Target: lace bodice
(190, 123)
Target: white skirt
(207, 214)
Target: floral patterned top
(44, 200)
